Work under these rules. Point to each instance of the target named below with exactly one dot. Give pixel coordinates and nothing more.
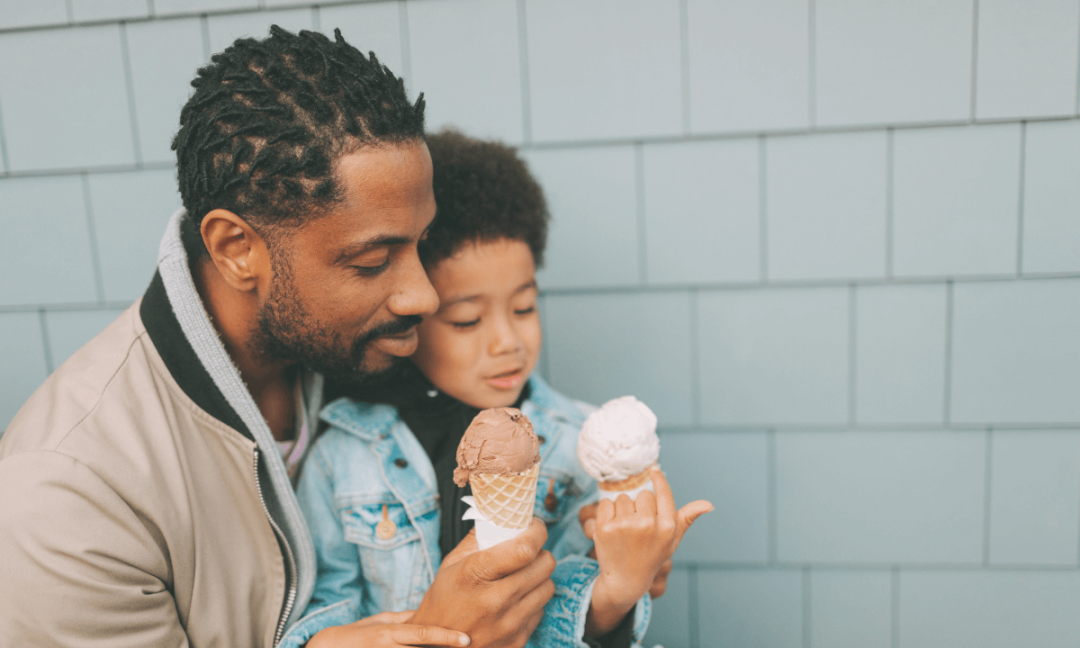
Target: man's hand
(635, 540)
(387, 630)
(496, 596)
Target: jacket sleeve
(339, 571)
(575, 574)
(80, 567)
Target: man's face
(348, 288)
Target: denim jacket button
(541, 438)
(400, 463)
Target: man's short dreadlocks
(483, 192)
(268, 119)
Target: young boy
(380, 529)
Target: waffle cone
(628, 484)
(506, 500)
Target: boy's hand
(387, 630)
(634, 539)
(587, 518)
(498, 595)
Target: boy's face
(483, 342)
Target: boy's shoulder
(368, 421)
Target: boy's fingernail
(464, 640)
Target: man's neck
(234, 314)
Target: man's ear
(236, 250)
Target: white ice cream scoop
(618, 442)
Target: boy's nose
(506, 339)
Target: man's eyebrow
(353, 249)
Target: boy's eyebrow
(468, 298)
(525, 286)
(382, 240)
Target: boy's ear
(240, 255)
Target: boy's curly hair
(483, 192)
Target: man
(145, 498)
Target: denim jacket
(369, 462)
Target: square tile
(169, 7)
(605, 346)
(773, 356)
(989, 609)
(471, 83)
(70, 108)
(130, 214)
(880, 497)
(956, 200)
(900, 353)
(82, 10)
(1035, 497)
(750, 609)
(69, 331)
(702, 212)
(826, 205)
(1016, 352)
(892, 62)
(23, 368)
(165, 54)
(850, 609)
(604, 69)
(372, 27)
(749, 64)
(49, 253)
(592, 196)
(728, 469)
(1027, 58)
(225, 30)
(1051, 234)
(670, 621)
(20, 13)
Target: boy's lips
(507, 380)
(401, 344)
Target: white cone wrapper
(488, 534)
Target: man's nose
(414, 294)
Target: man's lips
(507, 380)
(400, 344)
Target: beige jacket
(131, 515)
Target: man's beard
(286, 332)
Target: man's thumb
(688, 514)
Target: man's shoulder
(92, 392)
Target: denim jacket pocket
(389, 559)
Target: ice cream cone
(630, 486)
(506, 500)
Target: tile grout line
(316, 19)
(684, 61)
(853, 367)
(204, 28)
(695, 360)
(763, 215)
(95, 254)
(70, 12)
(642, 222)
(890, 174)
(1020, 201)
(770, 473)
(894, 612)
(974, 54)
(987, 493)
(523, 60)
(3, 146)
(46, 342)
(406, 47)
(129, 82)
(1078, 77)
(946, 410)
(545, 366)
(974, 567)
(811, 89)
(694, 611)
(151, 11)
(807, 601)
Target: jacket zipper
(290, 599)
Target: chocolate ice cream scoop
(499, 441)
